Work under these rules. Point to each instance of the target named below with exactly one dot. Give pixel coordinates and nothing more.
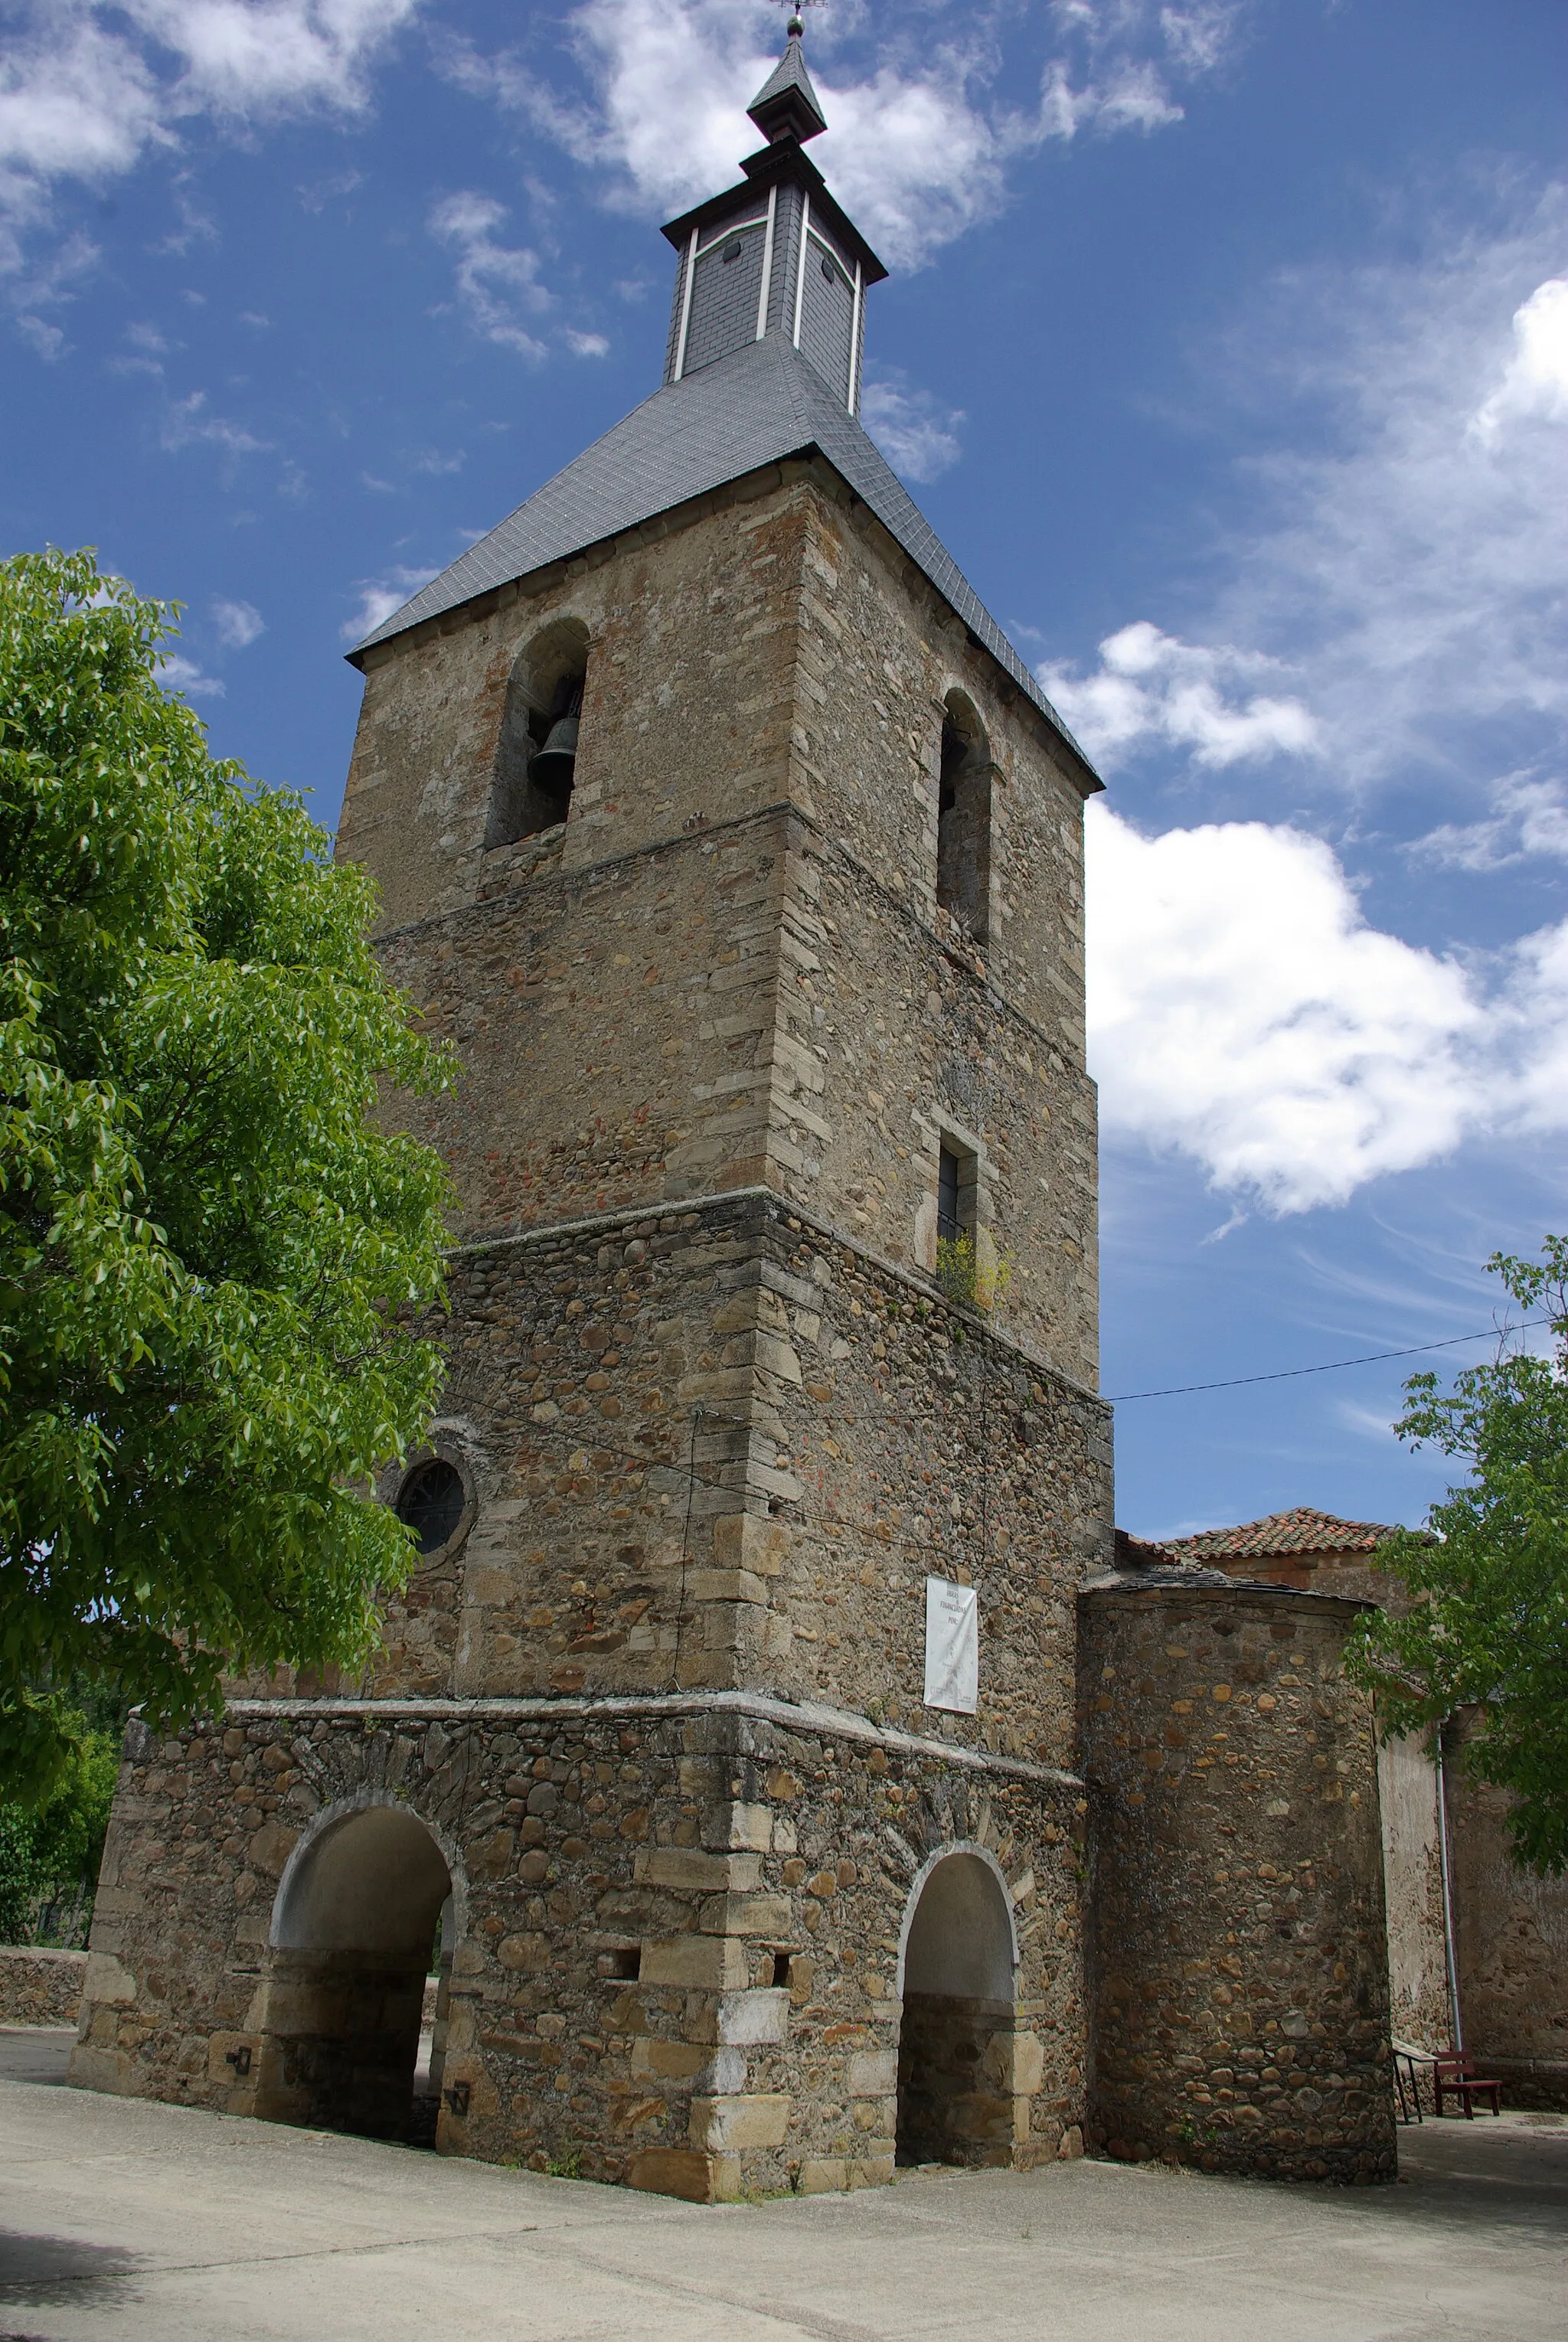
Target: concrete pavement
(147, 2223)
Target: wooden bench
(1453, 2075)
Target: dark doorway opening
(354, 1937)
(955, 2047)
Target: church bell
(551, 768)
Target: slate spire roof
(786, 101)
(757, 404)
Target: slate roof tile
(754, 407)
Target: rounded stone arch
(976, 1893)
(960, 714)
(545, 688)
(317, 1876)
(366, 1888)
(964, 816)
(957, 1986)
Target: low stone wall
(1512, 1930)
(1238, 1965)
(1529, 2082)
(39, 1987)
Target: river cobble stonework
(1238, 1960)
(677, 1928)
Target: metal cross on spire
(796, 25)
(786, 105)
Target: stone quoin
(722, 830)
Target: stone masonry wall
(855, 1434)
(1511, 1928)
(753, 1867)
(1511, 1937)
(39, 1985)
(727, 967)
(1239, 1974)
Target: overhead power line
(1332, 1366)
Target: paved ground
(154, 2224)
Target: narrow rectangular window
(949, 1173)
(963, 821)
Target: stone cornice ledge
(803, 1716)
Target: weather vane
(796, 25)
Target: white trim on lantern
(800, 272)
(855, 334)
(728, 232)
(767, 263)
(686, 307)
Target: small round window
(431, 1502)
(732, 250)
(830, 272)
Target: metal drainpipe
(1458, 2024)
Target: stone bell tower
(726, 1724)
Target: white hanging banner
(952, 1647)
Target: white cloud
(1396, 602)
(189, 423)
(1244, 1013)
(177, 673)
(1411, 567)
(76, 99)
(1530, 820)
(88, 87)
(918, 140)
(238, 624)
(250, 58)
(1149, 686)
(45, 288)
(587, 346)
(1536, 382)
(919, 438)
(494, 281)
(48, 340)
(1537, 1014)
(380, 596)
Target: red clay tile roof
(1299, 1531)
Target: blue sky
(1227, 347)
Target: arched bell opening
(354, 1935)
(957, 1969)
(536, 751)
(964, 818)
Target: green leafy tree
(1487, 1622)
(209, 1254)
(50, 1853)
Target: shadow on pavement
(49, 2272)
(36, 2053)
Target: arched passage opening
(353, 1930)
(955, 2040)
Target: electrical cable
(1332, 1366)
